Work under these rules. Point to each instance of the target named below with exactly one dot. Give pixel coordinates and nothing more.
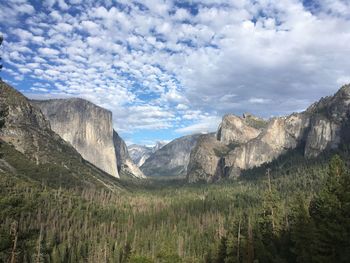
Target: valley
(170, 131)
(58, 207)
(157, 221)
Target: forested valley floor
(292, 210)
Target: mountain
(140, 153)
(87, 127)
(126, 165)
(31, 150)
(247, 142)
(171, 159)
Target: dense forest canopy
(292, 210)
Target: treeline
(296, 212)
(315, 230)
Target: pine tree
(222, 251)
(301, 232)
(329, 211)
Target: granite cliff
(125, 164)
(26, 133)
(242, 144)
(87, 127)
(171, 159)
(140, 153)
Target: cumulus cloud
(204, 125)
(165, 65)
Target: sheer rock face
(172, 159)
(87, 127)
(205, 159)
(280, 135)
(329, 117)
(25, 127)
(321, 127)
(234, 129)
(124, 162)
(140, 153)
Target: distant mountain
(140, 153)
(31, 149)
(126, 165)
(245, 142)
(171, 159)
(89, 128)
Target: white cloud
(259, 100)
(208, 124)
(48, 51)
(161, 67)
(181, 107)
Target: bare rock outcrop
(205, 159)
(25, 127)
(87, 127)
(140, 153)
(234, 129)
(328, 118)
(252, 142)
(171, 159)
(124, 162)
(280, 135)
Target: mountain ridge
(140, 153)
(86, 126)
(26, 133)
(89, 128)
(319, 128)
(171, 159)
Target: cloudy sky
(171, 68)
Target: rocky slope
(126, 165)
(86, 126)
(89, 129)
(172, 159)
(321, 127)
(140, 153)
(24, 129)
(205, 157)
(237, 130)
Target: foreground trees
(292, 214)
(315, 231)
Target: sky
(171, 68)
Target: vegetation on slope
(298, 212)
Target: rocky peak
(172, 159)
(24, 125)
(158, 146)
(140, 153)
(86, 126)
(317, 129)
(205, 159)
(26, 128)
(236, 130)
(124, 162)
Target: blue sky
(172, 68)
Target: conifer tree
(222, 250)
(301, 232)
(329, 211)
